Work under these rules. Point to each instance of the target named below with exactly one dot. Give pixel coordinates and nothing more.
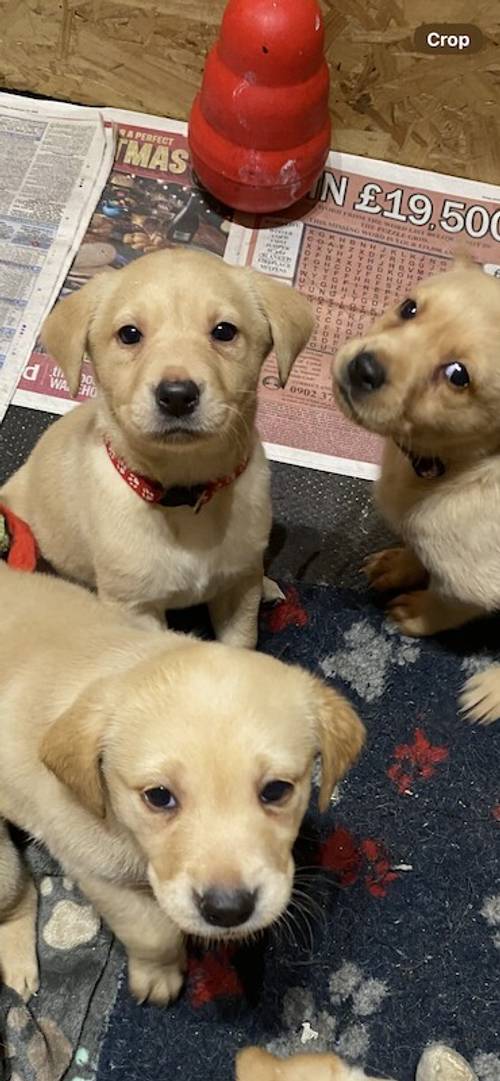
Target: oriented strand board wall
(387, 101)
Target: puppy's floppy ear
(71, 747)
(290, 319)
(341, 735)
(65, 331)
(255, 1064)
(463, 259)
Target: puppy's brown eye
(129, 334)
(159, 799)
(224, 332)
(276, 792)
(457, 375)
(408, 309)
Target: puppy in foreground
(427, 377)
(157, 493)
(169, 777)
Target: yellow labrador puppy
(427, 377)
(168, 776)
(157, 493)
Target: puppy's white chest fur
(174, 555)
(451, 523)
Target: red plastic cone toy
(259, 130)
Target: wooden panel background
(388, 101)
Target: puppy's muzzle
(177, 398)
(226, 908)
(364, 374)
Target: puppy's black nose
(226, 908)
(365, 372)
(177, 398)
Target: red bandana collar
(17, 543)
(151, 491)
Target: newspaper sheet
(368, 231)
(150, 201)
(54, 160)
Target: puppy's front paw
(413, 613)
(151, 981)
(480, 696)
(272, 593)
(18, 959)
(439, 1062)
(394, 568)
(21, 972)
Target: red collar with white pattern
(195, 496)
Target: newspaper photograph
(367, 232)
(150, 201)
(54, 161)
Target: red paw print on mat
(415, 761)
(350, 860)
(212, 976)
(287, 613)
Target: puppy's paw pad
(392, 568)
(480, 697)
(155, 983)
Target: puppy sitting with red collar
(157, 492)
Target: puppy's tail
(480, 696)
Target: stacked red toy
(259, 130)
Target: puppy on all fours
(157, 493)
(168, 776)
(426, 376)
